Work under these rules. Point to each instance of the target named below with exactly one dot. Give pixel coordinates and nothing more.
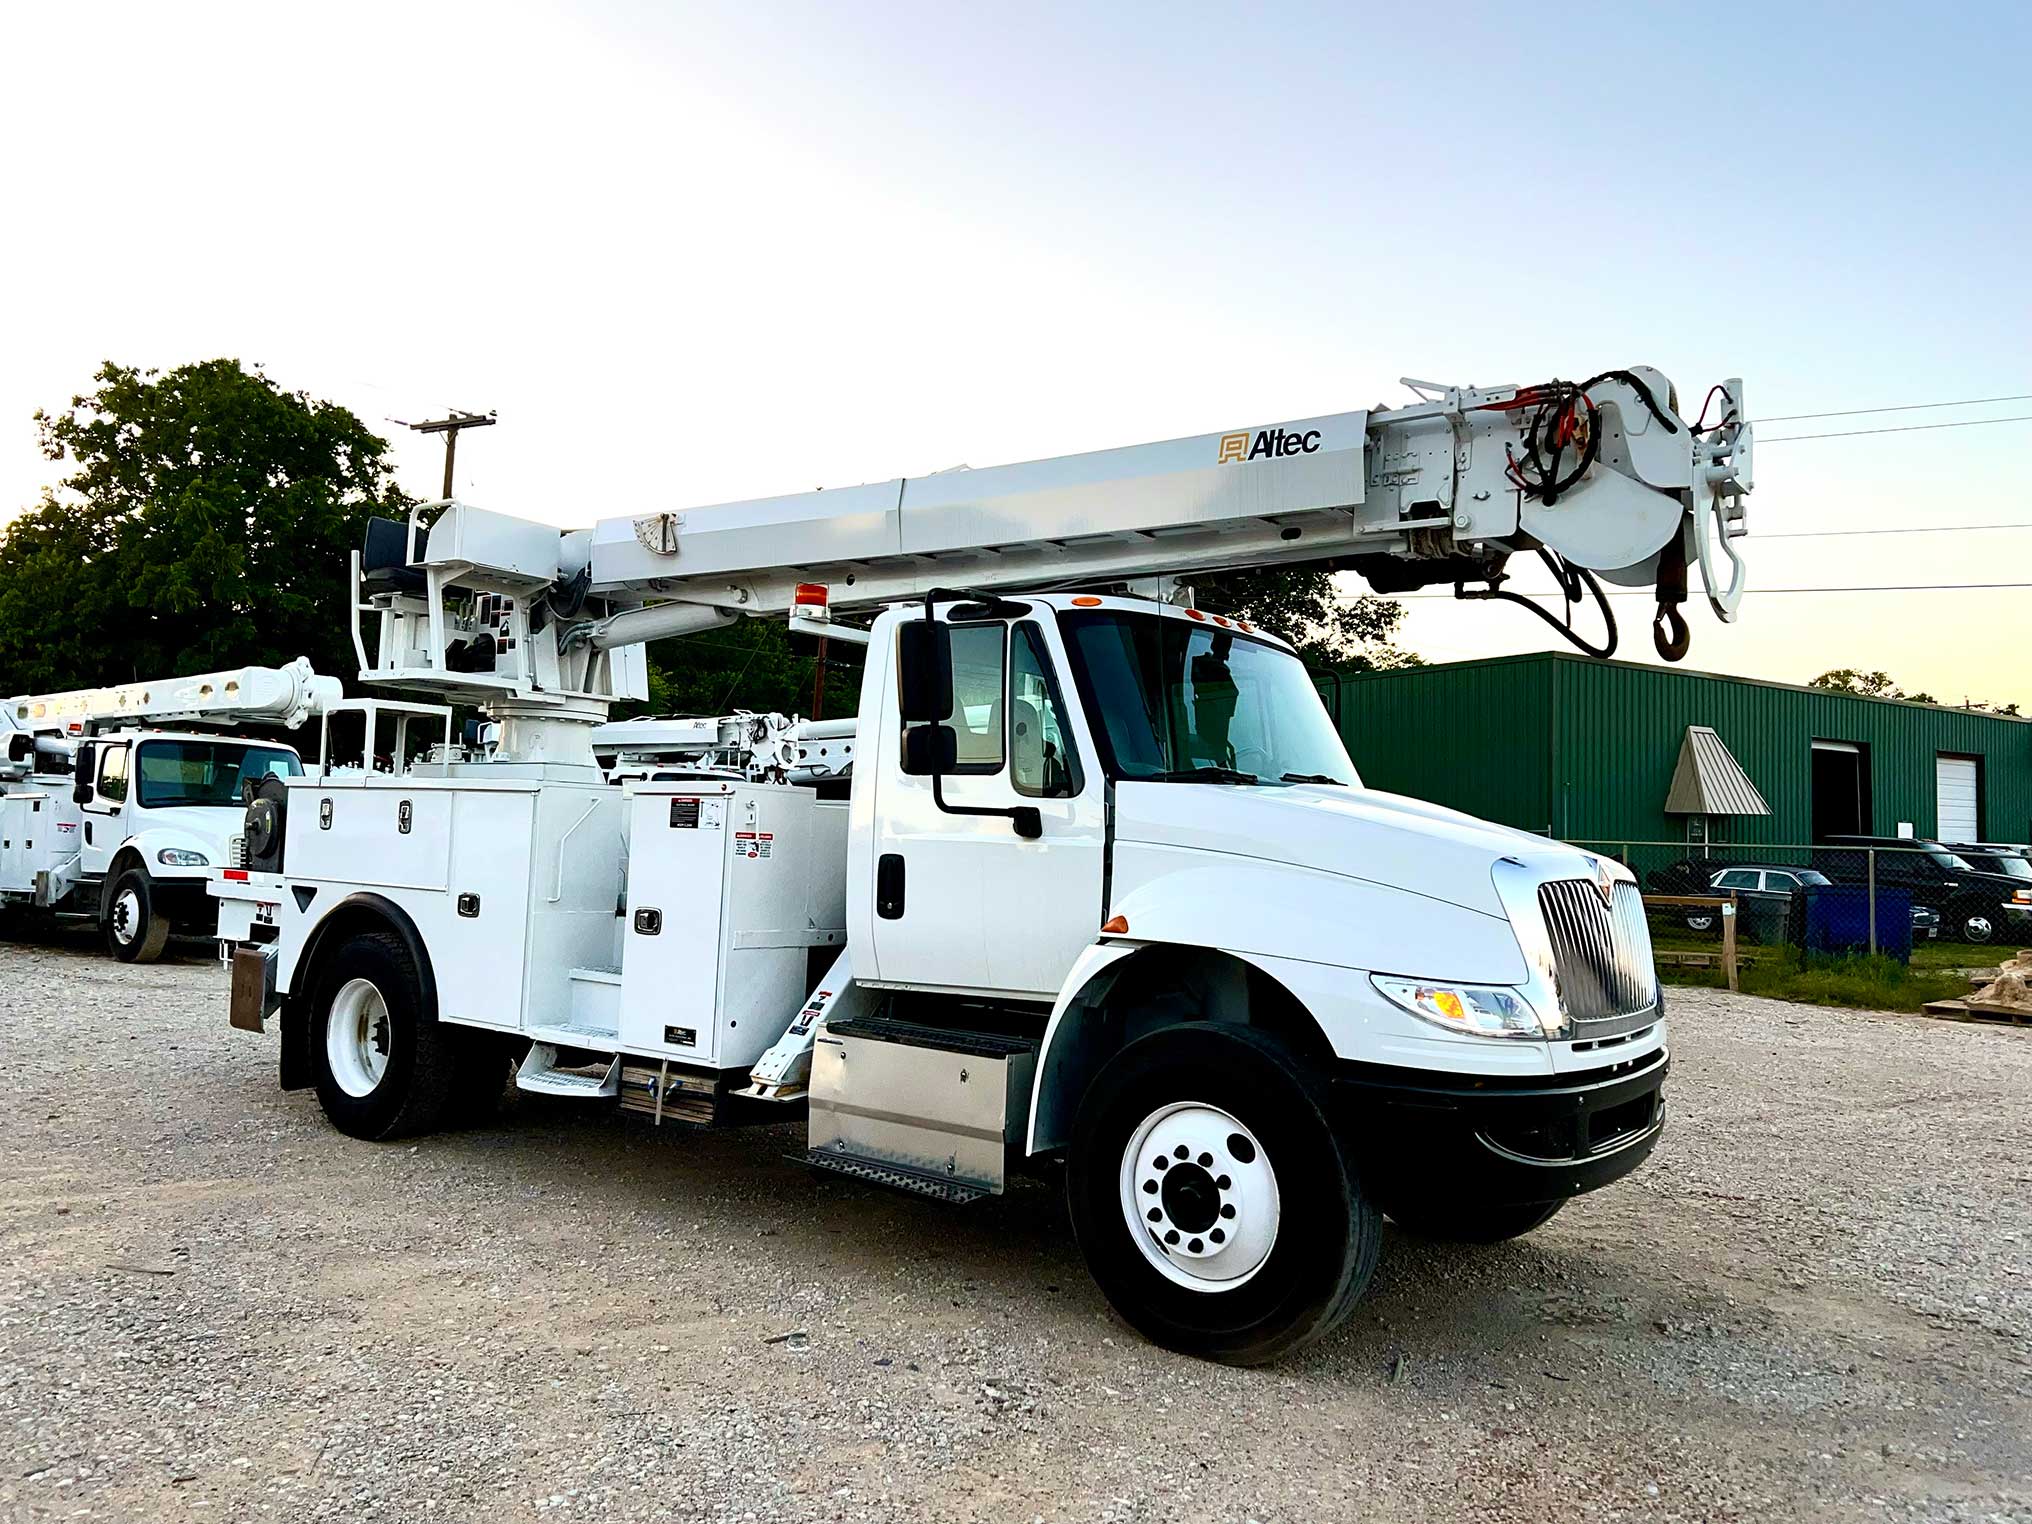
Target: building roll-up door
(1955, 799)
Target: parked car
(1974, 906)
(1763, 894)
(1995, 857)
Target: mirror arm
(1026, 819)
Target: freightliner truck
(1089, 881)
(116, 803)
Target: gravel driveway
(1814, 1303)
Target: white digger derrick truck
(115, 806)
(1089, 878)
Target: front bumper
(1501, 1142)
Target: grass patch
(1851, 979)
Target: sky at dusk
(700, 253)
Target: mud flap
(254, 994)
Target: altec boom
(1090, 876)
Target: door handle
(889, 886)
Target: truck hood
(206, 828)
(1386, 839)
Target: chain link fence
(1918, 903)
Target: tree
(1306, 608)
(1867, 685)
(205, 523)
(755, 665)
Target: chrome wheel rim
(1979, 929)
(126, 916)
(357, 1036)
(1199, 1196)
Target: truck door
(105, 815)
(962, 901)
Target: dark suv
(1974, 905)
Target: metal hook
(1669, 633)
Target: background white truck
(108, 813)
(1099, 884)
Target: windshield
(205, 772)
(1946, 859)
(1809, 877)
(2008, 863)
(1173, 701)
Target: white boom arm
(1600, 478)
(281, 696)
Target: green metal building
(1589, 751)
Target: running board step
(541, 1074)
(895, 1176)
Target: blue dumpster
(1835, 918)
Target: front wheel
(1215, 1205)
(1978, 928)
(1455, 1222)
(136, 932)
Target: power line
(1909, 407)
(1836, 534)
(1896, 587)
(1908, 428)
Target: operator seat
(384, 558)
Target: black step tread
(914, 1034)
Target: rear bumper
(1502, 1142)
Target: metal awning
(1710, 781)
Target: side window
(1738, 878)
(1783, 881)
(1042, 764)
(976, 719)
(113, 773)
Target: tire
(135, 931)
(1451, 1222)
(1283, 1278)
(382, 1065)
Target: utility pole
(449, 427)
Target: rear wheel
(1460, 1223)
(383, 1065)
(1214, 1204)
(136, 932)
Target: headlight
(182, 857)
(1476, 1010)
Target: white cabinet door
(1955, 799)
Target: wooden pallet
(1972, 1010)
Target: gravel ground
(1814, 1303)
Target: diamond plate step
(894, 1176)
(539, 1073)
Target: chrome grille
(1601, 954)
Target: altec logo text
(1265, 443)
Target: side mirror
(86, 769)
(924, 672)
(929, 750)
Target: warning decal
(753, 844)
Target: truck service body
(1091, 879)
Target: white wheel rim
(1979, 928)
(1199, 1196)
(356, 1037)
(126, 916)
